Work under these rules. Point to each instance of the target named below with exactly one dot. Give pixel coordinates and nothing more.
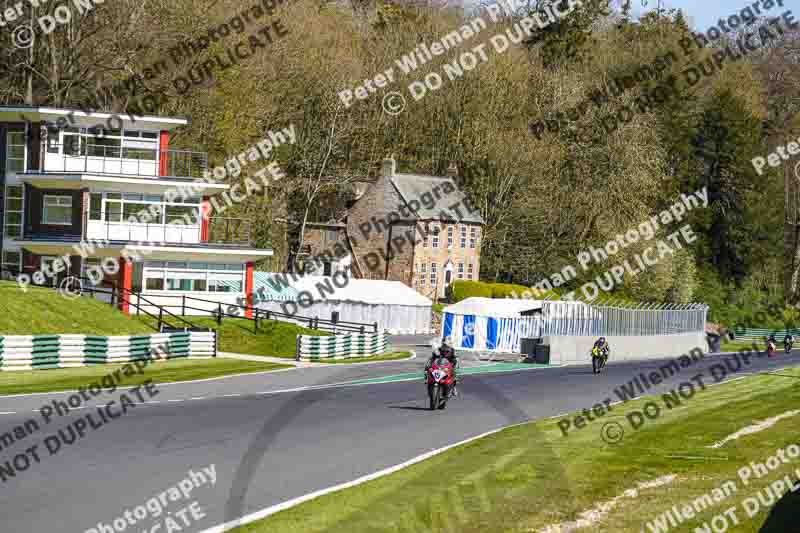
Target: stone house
(421, 230)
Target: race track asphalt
(270, 446)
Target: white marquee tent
(490, 324)
(498, 325)
(396, 307)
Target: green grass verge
(529, 477)
(274, 338)
(42, 311)
(160, 372)
(389, 356)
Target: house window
(449, 237)
(463, 236)
(194, 277)
(144, 209)
(13, 216)
(104, 143)
(436, 237)
(469, 271)
(57, 210)
(423, 271)
(461, 271)
(473, 237)
(433, 274)
(15, 150)
(96, 206)
(12, 261)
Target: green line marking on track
(483, 369)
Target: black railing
(221, 310)
(103, 159)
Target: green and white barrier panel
(34, 352)
(312, 348)
(761, 334)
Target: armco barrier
(761, 334)
(34, 352)
(310, 348)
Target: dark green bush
(461, 290)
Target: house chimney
(452, 171)
(389, 167)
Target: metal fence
(579, 319)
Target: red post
(248, 289)
(125, 282)
(163, 146)
(205, 210)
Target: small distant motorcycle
(440, 383)
(599, 360)
(787, 347)
(770, 349)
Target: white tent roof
(495, 307)
(500, 307)
(368, 291)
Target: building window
(12, 261)
(144, 209)
(104, 143)
(449, 237)
(194, 277)
(463, 236)
(96, 206)
(436, 237)
(423, 271)
(433, 274)
(15, 150)
(461, 271)
(13, 216)
(469, 271)
(473, 237)
(57, 210)
(425, 232)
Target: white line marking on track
(9, 413)
(198, 398)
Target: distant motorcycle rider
(772, 344)
(602, 347)
(788, 339)
(445, 350)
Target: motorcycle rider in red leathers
(445, 350)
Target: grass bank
(44, 311)
(274, 338)
(160, 372)
(530, 477)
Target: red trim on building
(248, 289)
(205, 210)
(163, 146)
(125, 282)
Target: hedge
(459, 290)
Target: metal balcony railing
(102, 159)
(230, 231)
